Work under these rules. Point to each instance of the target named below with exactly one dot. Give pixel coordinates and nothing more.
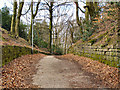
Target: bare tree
(14, 17)
(32, 17)
(18, 18)
(77, 17)
(50, 6)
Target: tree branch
(60, 15)
(37, 8)
(27, 10)
(81, 10)
(43, 9)
(61, 5)
(47, 4)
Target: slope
(7, 39)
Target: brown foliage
(105, 75)
(18, 73)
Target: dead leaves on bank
(104, 74)
(18, 73)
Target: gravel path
(56, 73)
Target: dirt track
(56, 73)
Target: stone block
(103, 53)
(107, 53)
(105, 50)
(101, 50)
(112, 53)
(113, 50)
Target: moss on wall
(93, 41)
(101, 58)
(108, 60)
(11, 52)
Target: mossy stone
(11, 52)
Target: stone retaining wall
(109, 56)
(11, 52)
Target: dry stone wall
(110, 56)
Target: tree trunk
(30, 31)
(55, 40)
(77, 18)
(53, 33)
(32, 17)
(87, 12)
(66, 42)
(96, 7)
(18, 18)
(71, 32)
(91, 10)
(50, 26)
(14, 17)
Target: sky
(8, 3)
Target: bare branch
(60, 15)
(46, 3)
(27, 10)
(82, 1)
(81, 10)
(65, 3)
(43, 9)
(37, 8)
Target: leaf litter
(18, 73)
(99, 72)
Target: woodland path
(56, 73)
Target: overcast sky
(8, 3)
